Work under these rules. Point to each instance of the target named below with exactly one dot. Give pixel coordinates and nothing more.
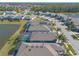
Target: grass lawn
(76, 36)
(38, 19)
(8, 22)
(69, 48)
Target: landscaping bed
(69, 50)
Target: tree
(62, 38)
(56, 8)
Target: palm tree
(62, 38)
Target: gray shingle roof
(37, 28)
(38, 49)
(42, 36)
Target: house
(43, 37)
(39, 49)
(37, 28)
(38, 33)
(10, 12)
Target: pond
(6, 30)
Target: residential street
(72, 41)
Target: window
(41, 46)
(37, 46)
(29, 49)
(26, 46)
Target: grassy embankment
(75, 36)
(69, 50)
(8, 22)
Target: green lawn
(75, 36)
(69, 48)
(38, 19)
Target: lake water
(74, 15)
(6, 30)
